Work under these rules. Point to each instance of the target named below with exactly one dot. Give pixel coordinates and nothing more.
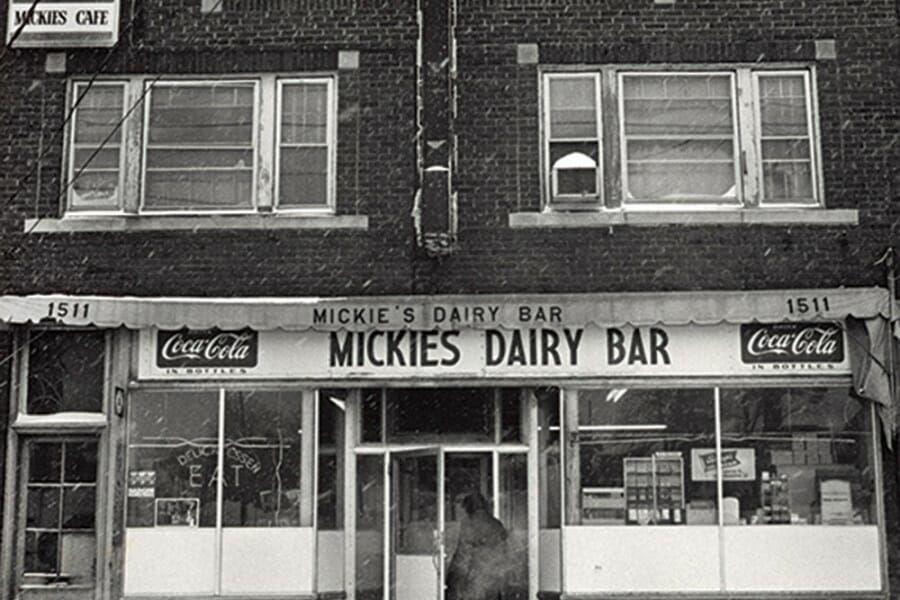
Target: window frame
(574, 200)
(571, 486)
(25, 429)
(131, 201)
(255, 149)
(69, 155)
(22, 529)
(331, 145)
(695, 200)
(611, 197)
(812, 127)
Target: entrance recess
(419, 454)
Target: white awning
(450, 311)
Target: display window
(632, 450)
(215, 476)
(797, 456)
(812, 451)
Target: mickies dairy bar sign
(525, 341)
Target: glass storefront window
(634, 447)
(332, 408)
(65, 371)
(172, 458)
(796, 455)
(442, 416)
(174, 447)
(261, 479)
(370, 527)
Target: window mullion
(269, 100)
(748, 137)
(134, 127)
(610, 140)
(61, 508)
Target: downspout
(434, 210)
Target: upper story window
(238, 145)
(741, 137)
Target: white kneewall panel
(660, 558)
(416, 577)
(549, 560)
(802, 558)
(170, 560)
(268, 560)
(331, 561)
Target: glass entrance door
(417, 556)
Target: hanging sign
(62, 24)
(528, 351)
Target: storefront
(709, 442)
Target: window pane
(41, 552)
(172, 454)
(677, 104)
(573, 107)
(788, 181)
(79, 507)
(201, 114)
(95, 190)
(97, 122)
(370, 527)
(304, 177)
(332, 407)
(304, 114)
(786, 146)
(65, 371)
(635, 448)
(808, 454)
(371, 416)
(782, 105)
(199, 190)
(681, 181)
(548, 448)
(81, 462)
(511, 415)
(106, 159)
(200, 147)
(46, 462)
(514, 516)
(199, 159)
(261, 483)
(43, 507)
(679, 138)
(441, 414)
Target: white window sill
(755, 216)
(78, 223)
(82, 421)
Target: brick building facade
(451, 155)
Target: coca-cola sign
(791, 343)
(207, 348)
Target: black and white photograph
(450, 300)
